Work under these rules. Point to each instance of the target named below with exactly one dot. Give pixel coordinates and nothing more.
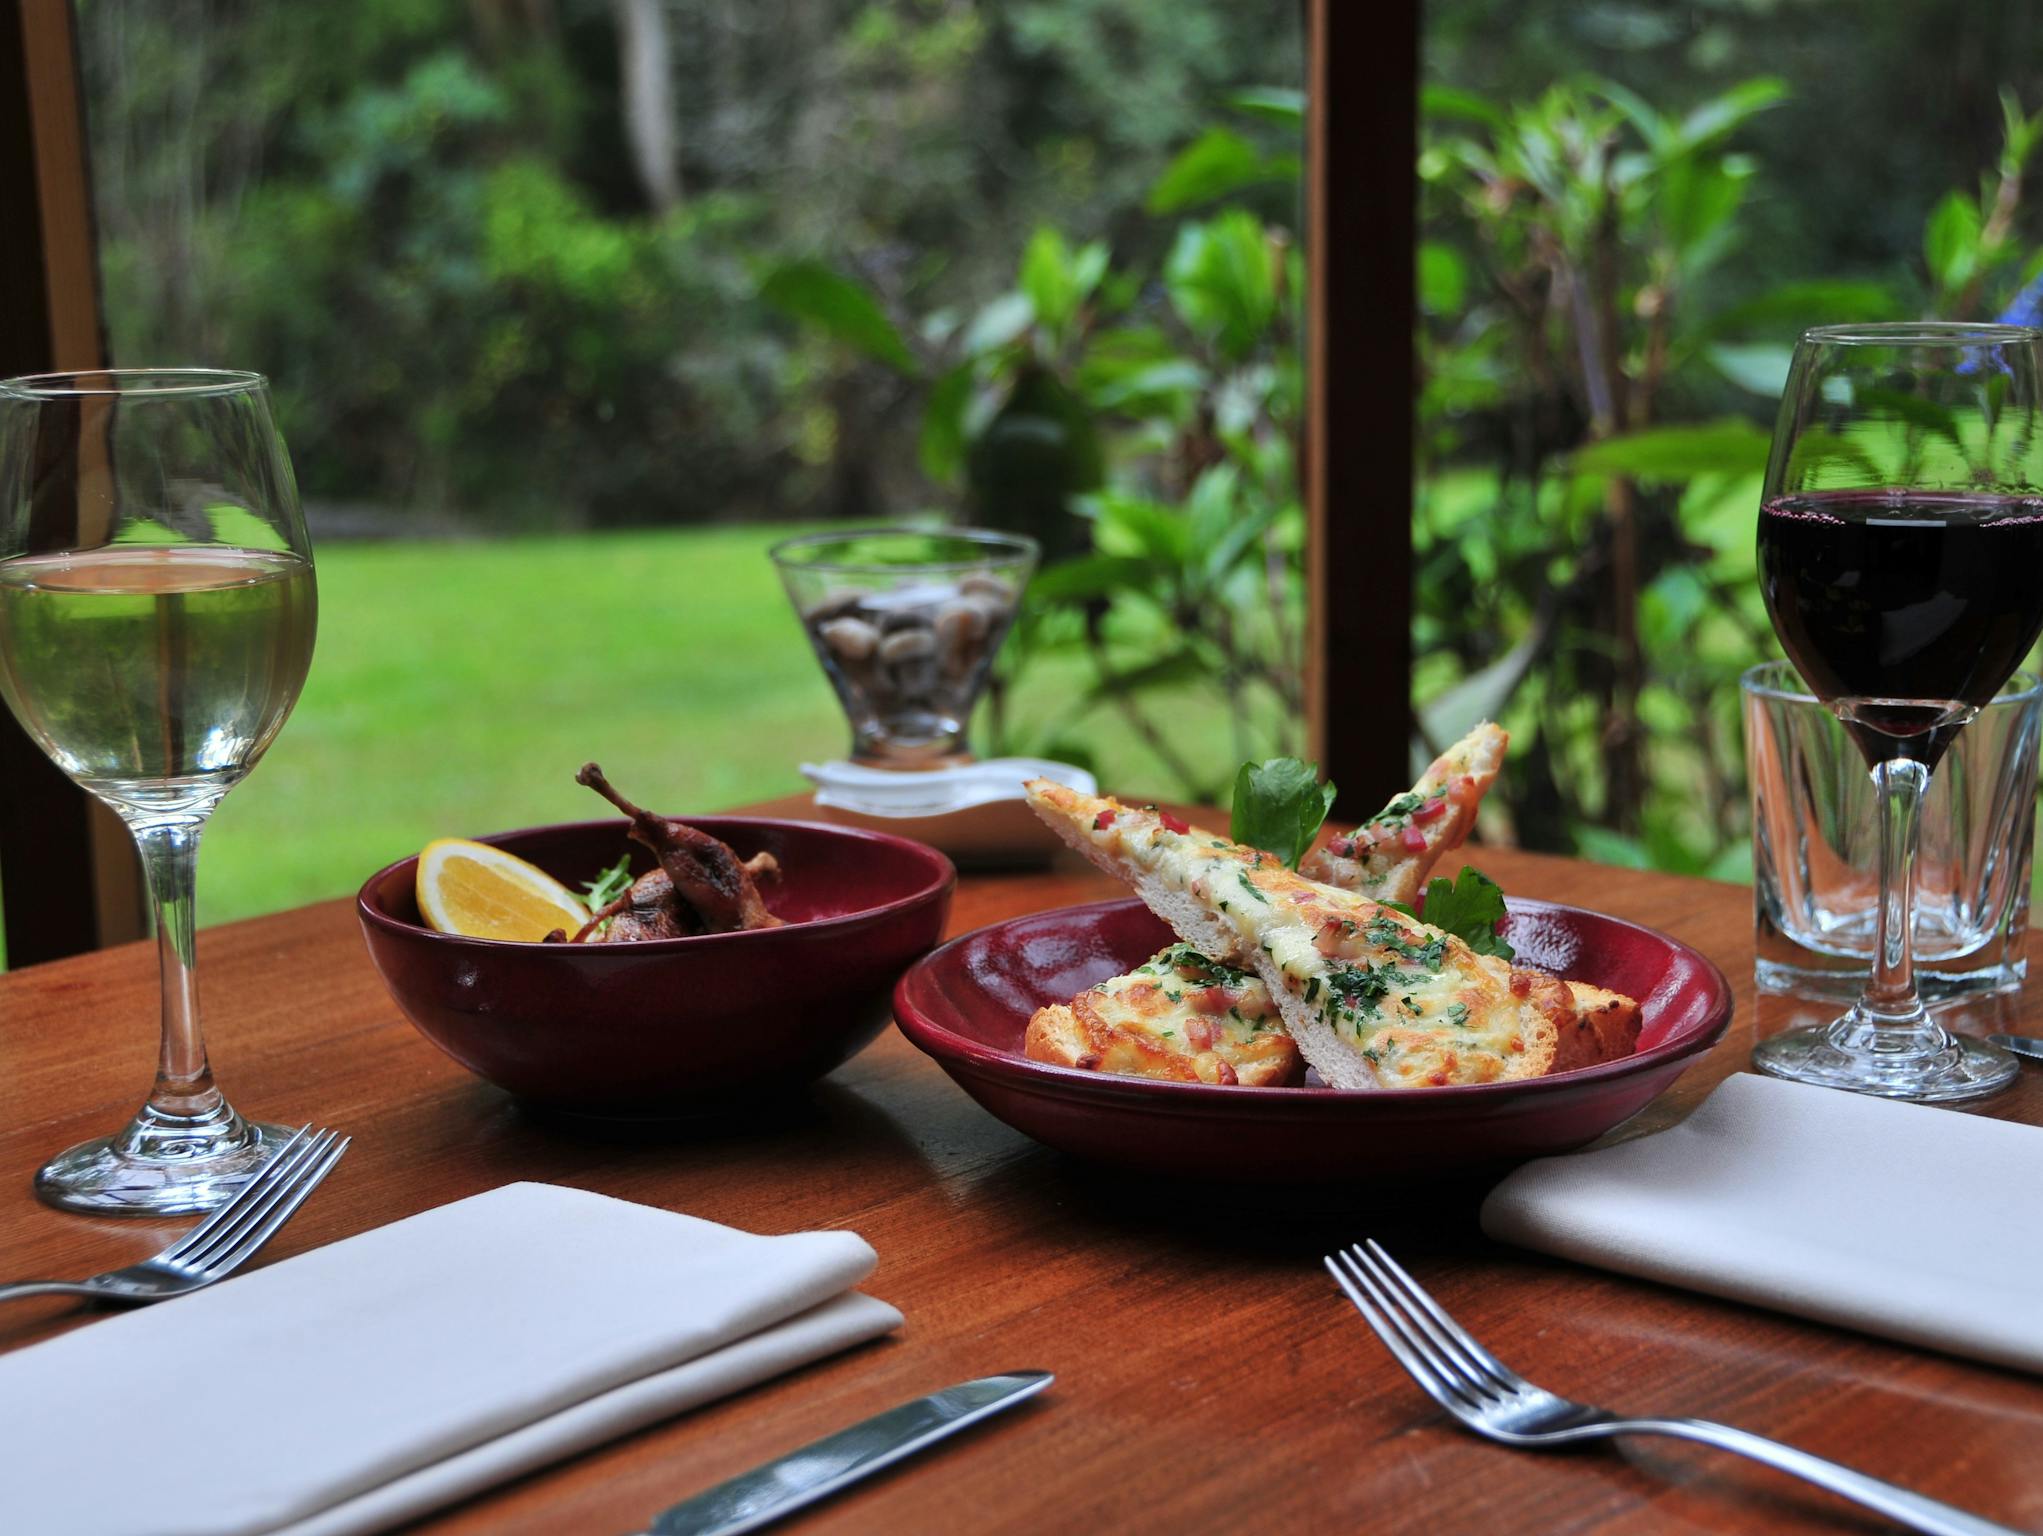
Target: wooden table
(1209, 1376)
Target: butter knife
(788, 1483)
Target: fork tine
(1471, 1384)
(1412, 1353)
(1483, 1384)
(225, 1213)
(1432, 1309)
(308, 1180)
(269, 1186)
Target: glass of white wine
(157, 611)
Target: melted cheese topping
(1418, 1004)
(1185, 1001)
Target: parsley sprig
(1469, 907)
(1278, 806)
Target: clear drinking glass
(906, 622)
(1900, 546)
(157, 611)
(1815, 846)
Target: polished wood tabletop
(1209, 1376)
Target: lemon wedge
(482, 892)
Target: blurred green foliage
(1141, 423)
(428, 221)
(1600, 350)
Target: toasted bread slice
(1605, 1027)
(1390, 855)
(1373, 998)
(1181, 1017)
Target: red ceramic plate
(968, 1003)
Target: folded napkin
(355, 1387)
(1920, 1224)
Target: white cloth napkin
(357, 1386)
(1916, 1223)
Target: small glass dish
(906, 623)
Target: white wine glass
(157, 611)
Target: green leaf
(1899, 405)
(998, 324)
(1714, 119)
(1218, 162)
(1278, 104)
(1950, 241)
(811, 291)
(1794, 306)
(1222, 280)
(1129, 525)
(609, 885)
(1603, 846)
(1170, 670)
(1055, 279)
(1443, 278)
(1279, 804)
(1090, 576)
(1445, 101)
(1761, 368)
(941, 446)
(1697, 197)
(1145, 389)
(1469, 907)
(1728, 446)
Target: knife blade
(2022, 1045)
(788, 1483)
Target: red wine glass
(1901, 558)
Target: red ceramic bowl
(968, 1004)
(671, 1026)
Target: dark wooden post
(1362, 220)
(69, 873)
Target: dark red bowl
(968, 1004)
(671, 1026)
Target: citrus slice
(482, 892)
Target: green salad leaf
(609, 885)
(1278, 806)
(1469, 907)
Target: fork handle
(43, 1288)
(1911, 1509)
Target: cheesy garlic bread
(1388, 857)
(1181, 1017)
(1370, 997)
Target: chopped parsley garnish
(1194, 966)
(1399, 808)
(1358, 990)
(1386, 934)
(1249, 886)
(1311, 988)
(1456, 1013)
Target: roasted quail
(700, 886)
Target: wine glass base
(159, 1174)
(1962, 1069)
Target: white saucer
(975, 812)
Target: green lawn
(458, 686)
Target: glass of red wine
(1901, 557)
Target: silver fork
(1499, 1404)
(220, 1244)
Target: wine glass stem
(1890, 999)
(170, 852)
